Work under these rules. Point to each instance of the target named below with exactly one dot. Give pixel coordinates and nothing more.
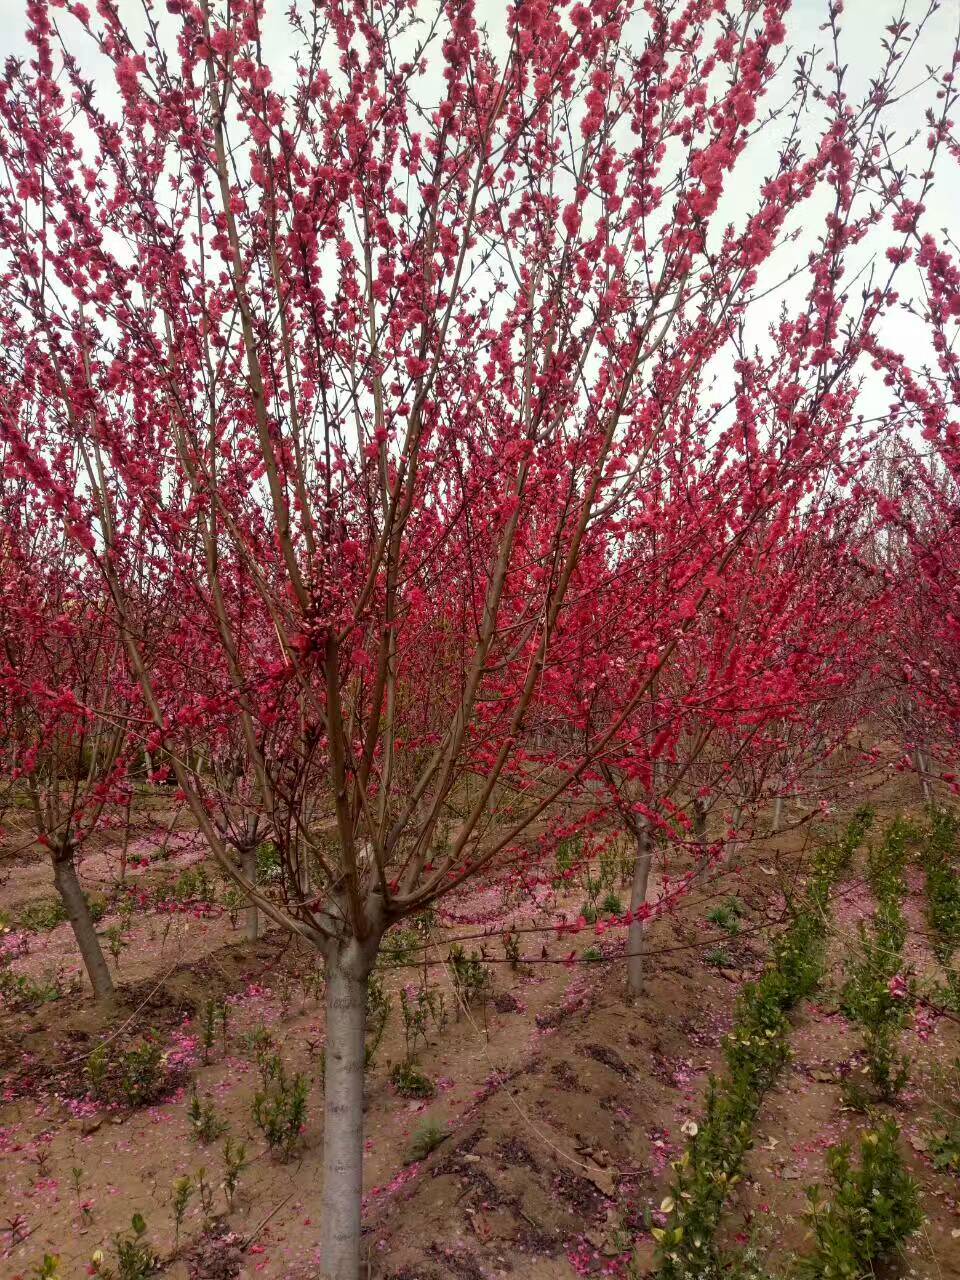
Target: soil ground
(560, 1102)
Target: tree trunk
(732, 847)
(777, 812)
(251, 915)
(638, 896)
(346, 1026)
(920, 765)
(81, 921)
(699, 820)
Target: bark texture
(81, 921)
(251, 916)
(636, 961)
(346, 1000)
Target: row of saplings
(145, 1072)
(872, 1204)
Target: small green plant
(48, 1269)
(137, 1076)
(280, 1108)
(256, 1041)
(269, 869)
(876, 995)
(205, 1124)
(944, 1149)
(592, 955)
(400, 947)
(939, 857)
(727, 916)
(868, 1211)
(427, 1137)
(116, 941)
(205, 1191)
(135, 1258)
(21, 992)
(410, 1082)
(378, 1015)
(194, 885)
(718, 958)
(568, 854)
(611, 905)
(215, 1014)
(84, 1207)
(234, 1163)
(471, 979)
(182, 1195)
(944, 1143)
(511, 949)
(44, 914)
(417, 1009)
(234, 901)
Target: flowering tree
(355, 377)
(64, 702)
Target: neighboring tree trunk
(636, 967)
(732, 847)
(920, 764)
(699, 820)
(347, 972)
(81, 921)
(251, 916)
(777, 812)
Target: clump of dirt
(217, 1256)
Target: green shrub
(138, 1076)
(205, 1124)
(400, 947)
(280, 1108)
(943, 883)
(471, 978)
(135, 1259)
(427, 1138)
(378, 1015)
(410, 1082)
(727, 916)
(269, 867)
(875, 994)
(870, 1209)
(194, 885)
(234, 1163)
(215, 1013)
(22, 992)
(44, 914)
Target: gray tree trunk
(636, 967)
(81, 921)
(346, 1025)
(920, 764)
(777, 812)
(699, 820)
(251, 915)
